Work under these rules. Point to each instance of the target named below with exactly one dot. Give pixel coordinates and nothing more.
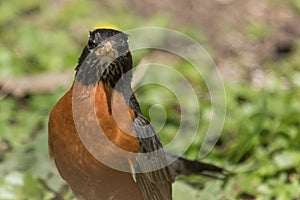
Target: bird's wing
(151, 170)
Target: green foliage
(296, 5)
(20, 186)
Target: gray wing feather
(152, 173)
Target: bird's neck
(89, 78)
(110, 75)
(117, 73)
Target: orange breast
(77, 116)
(116, 118)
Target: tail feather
(184, 167)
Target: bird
(101, 143)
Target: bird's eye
(91, 44)
(92, 41)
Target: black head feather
(94, 67)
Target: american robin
(101, 107)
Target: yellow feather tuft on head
(105, 25)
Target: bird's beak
(107, 50)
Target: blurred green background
(255, 45)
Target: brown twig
(18, 87)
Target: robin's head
(106, 58)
